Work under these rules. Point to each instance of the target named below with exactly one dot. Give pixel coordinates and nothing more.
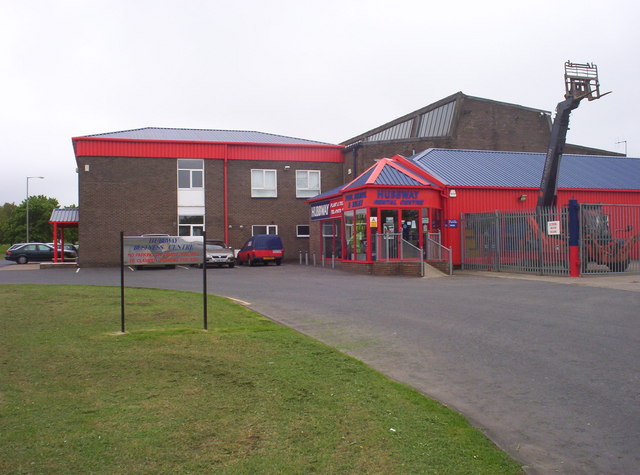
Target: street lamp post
(28, 178)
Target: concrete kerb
(629, 282)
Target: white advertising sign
(162, 250)
(553, 228)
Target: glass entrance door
(388, 239)
(411, 226)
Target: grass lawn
(247, 396)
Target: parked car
(70, 250)
(33, 251)
(263, 248)
(219, 254)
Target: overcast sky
(324, 71)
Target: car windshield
(212, 247)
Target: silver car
(219, 254)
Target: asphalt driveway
(550, 371)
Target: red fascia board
(76, 140)
(92, 147)
(201, 142)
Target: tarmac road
(547, 368)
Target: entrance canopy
(62, 218)
(386, 213)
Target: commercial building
(236, 184)
(179, 181)
(456, 122)
(427, 193)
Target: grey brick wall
(134, 195)
(139, 195)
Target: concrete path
(547, 368)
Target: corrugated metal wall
(478, 200)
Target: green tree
(6, 210)
(14, 229)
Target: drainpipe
(225, 197)
(354, 147)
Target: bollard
(333, 261)
(306, 258)
(300, 252)
(314, 259)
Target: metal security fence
(530, 241)
(610, 238)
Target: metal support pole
(122, 281)
(204, 279)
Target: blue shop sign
(451, 223)
(320, 210)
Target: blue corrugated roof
(205, 135)
(392, 176)
(361, 180)
(524, 170)
(327, 194)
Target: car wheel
(278, 262)
(232, 265)
(252, 262)
(22, 260)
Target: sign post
(161, 251)
(122, 281)
(204, 278)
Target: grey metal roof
(361, 180)
(65, 215)
(524, 170)
(327, 194)
(391, 176)
(205, 135)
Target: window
(264, 229)
(331, 241)
(307, 183)
(399, 131)
(190, 225)
(302, 230)
(264, 184)
(190, 173)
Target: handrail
(434, 251)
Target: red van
(263, 248)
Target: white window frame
(192, 172)
(308, 192)
(268, 227)
(303, 235)
(191, 226)
(259, 189)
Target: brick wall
(286, 211)
(139, 195)
(478, 124)
(134, 195)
